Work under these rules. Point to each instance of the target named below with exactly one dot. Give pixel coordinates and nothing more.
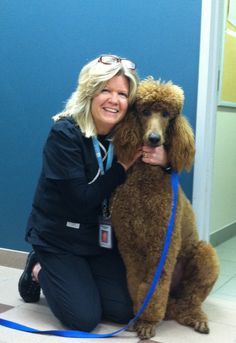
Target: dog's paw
(202, 327)
(145, 329)
(131, 327)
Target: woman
(75, 260)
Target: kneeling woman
(75, 260)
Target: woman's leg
(70, 290)
(110, 276)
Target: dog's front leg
(155, 311)
(135, 268)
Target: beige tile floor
(220, 306)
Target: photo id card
(105, 235)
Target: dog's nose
(154, 138)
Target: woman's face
(111, 104)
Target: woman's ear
(127, 138)
(180, 144)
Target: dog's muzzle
(154, 139)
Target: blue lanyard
(105, 210)
(82, 334)
(99, 155)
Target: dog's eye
(165, 114)
(146, 112)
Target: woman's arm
(79, 195)
(65, 163)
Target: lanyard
(99, 155)
(105, 210)
(161, 263)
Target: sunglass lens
(109, 59)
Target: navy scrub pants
(82, 291)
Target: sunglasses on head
(111, 59)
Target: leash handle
(82, 334)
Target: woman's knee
(76, 315)
(119, 313)
(84, 322)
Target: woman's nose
(113, 98)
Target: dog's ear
(180, 144)
(127, 138)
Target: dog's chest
(141, 207)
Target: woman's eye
(124, 95)
(165, 114)
(105, 90)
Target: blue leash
(82, 334)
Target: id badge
(105, 233)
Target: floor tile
(220, 312)
(12, 336)
(4, 308)
(8, 286)
(222, 280)
(229, 288)
(227, 267)
(226, 253)
(176, 333)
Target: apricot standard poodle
(141, 209)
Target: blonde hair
(92, 79)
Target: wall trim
(223, 234)
(16, 259)
(209, 60)
(13, 258)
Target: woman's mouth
(111, 110)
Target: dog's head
(157, 104)
(157, 120)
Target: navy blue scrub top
(66, 205)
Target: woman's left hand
(155, 156)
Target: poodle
(141, 209)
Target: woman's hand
(155, 156)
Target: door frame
(207, 100)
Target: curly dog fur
(141, 209)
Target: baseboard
(12, 258)
(223, 234)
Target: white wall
(211, 32)
(223, 201)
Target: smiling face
(110, 105)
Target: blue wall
(44, 44)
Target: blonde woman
(75, 259)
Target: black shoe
(28, 288)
